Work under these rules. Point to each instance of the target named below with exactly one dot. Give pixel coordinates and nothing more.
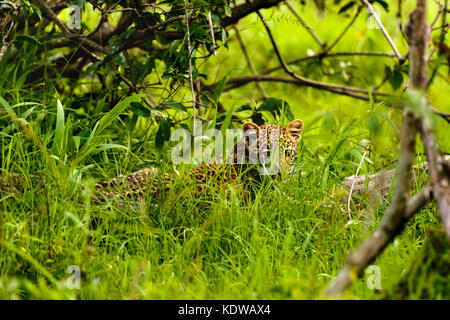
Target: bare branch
(211, 33)
(357, 93)
(373, 246)
(439, 171)
(335, 42)
(300, 79)
(89, 44)
(383, 29)
(191, 81)
(245, 9)
(306, 26)
(418, 34)
(249, 62)
(332, 55)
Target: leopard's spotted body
(258, 140)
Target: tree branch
(372, 247)
(383, 29)
(331, 55)
(357, 93)
(306, 26)
(249, 62)
(400, 210)
(418, 33)
(245, 9)
(191, 80)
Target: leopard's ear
(294, 129)
(251, 133)
(250, 126)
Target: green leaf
(132, 123)
(76, 141)
(80, 3)
(6, 105)
(109, 117)
(228, 11)
(382, 3)
(347, 6)
(276, 107)
(177, 106)
(57, 146)
(220, 87)
(226, 122)
(139, 109)
(101, 125)
(20, 39)
(107, 146)
(396, 79)
(163, 133)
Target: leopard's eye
(288, 152)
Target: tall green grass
(287, 242)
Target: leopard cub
(264, 150)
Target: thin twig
(191, 81)
(372, 247)
(399, 27)
(353, 183)
(328, 49)
(383, 29)
(211, 33)
(400, 209)
(6, 44)
(331, 87)
(249, 62)
(10, 4)
(306, 26)
(354, 92)
(332, 55)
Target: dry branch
(394, 218)
(245, 9)
(418, 33)
(342, 34)
(249, 62)
(354, 92)
(370, 249)
(189, 48)
(306, 26)
(439, 172)
(323, 55)
(415, 117)
(383, 29)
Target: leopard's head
(272, 146)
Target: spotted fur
(226, 169)
(268, 139)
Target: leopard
(267, 144)
(245, 162)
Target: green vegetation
(286, 243)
